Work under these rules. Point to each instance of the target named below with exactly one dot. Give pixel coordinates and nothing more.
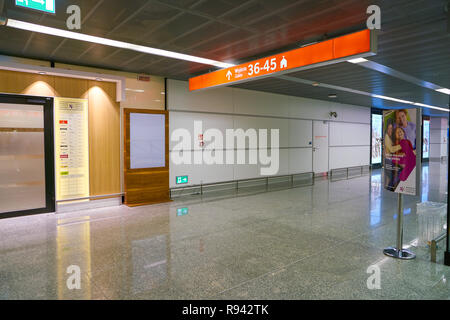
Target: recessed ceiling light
(444, 90)
(332, 95)
(112, 43)
(42, 72)
(357, 60)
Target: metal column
(398, 252)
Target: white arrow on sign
(229, 74)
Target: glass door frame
(47, 103)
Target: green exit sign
(182, 179)
(182, 211)
(41, 5)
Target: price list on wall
(71, 148)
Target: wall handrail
(240, 181)
(92, 197)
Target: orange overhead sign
(353, 45)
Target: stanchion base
(402, 254)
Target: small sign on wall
(143, 77)
(71, 148)
(182, 212)
(182, 180)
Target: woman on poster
(406, 158)
(389, 151)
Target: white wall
(349, 145)
(232, 108)
(438, 137)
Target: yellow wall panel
(26, 83)
(71, 88)
(104, 138)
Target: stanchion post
(400, 222)
(399, 252)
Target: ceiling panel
(356, 77)
(280, 86)
(216, 8)
(414, 39)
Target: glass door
(26, 166)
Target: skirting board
(85, 205)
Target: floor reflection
(312, 242)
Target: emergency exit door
(320, 147)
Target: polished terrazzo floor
(312, 242)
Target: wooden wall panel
(104, 138)
(104, 119)
(148, 185)
(71, 88)
(26, 83)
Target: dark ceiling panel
(359, 78)
(414, 39)
(248, 13)
(214, 8)
(41, 44)
(150, 18)
(280, 86)
(205, 32)
(138, 64)
(174, 29)
(181, 3)
(16, 40)
(110, 14)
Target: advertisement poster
(377, 131)
(426, 139)
(400, 150)
(71, 148)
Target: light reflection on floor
(312, 242)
